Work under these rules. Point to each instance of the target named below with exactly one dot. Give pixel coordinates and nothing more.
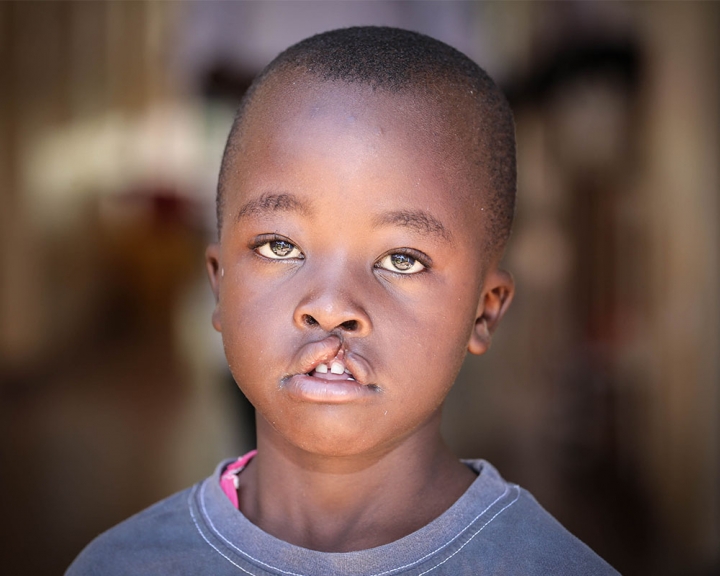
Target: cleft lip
(325, 351)
(358, 368)
(312, 354)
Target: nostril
(349, 325)
(309, 320)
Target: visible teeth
(337, 367)
(322, 368)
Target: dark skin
(353, 236)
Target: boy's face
(353, 237)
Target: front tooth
(322, 368)
(337, 367)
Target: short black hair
(397, 61)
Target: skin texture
(347, 177)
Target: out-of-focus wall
(602, 389)
(682, 194)
(65, 65)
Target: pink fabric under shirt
(229, 480)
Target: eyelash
(416, 255)
(264, 239)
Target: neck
(342, 504)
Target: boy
(364, 201)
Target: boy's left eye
(400, 263)
(279, 250)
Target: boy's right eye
(279, 250)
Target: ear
(497, 294)
(215, 273)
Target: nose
(330, 306)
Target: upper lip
(324, 351)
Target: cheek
(428, 347)
(253, 324)
(442, 321)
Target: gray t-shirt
(494, 528)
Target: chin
(335, 433)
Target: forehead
(436, 120)
(370, 138)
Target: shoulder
(538, 544)
(162, 539)
(521, 537)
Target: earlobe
(480, 338)
(498, 292)
(215, 273)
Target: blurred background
(602, 391)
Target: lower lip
(307, 388)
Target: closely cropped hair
(398, 61)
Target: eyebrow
(417, 220)
(272, 202)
